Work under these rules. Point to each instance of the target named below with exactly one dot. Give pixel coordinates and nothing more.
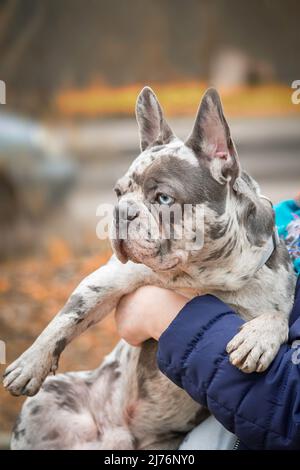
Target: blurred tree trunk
(11, 54)
(7, 14)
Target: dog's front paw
(26, 375)
(256, 345)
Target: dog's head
(168, 174)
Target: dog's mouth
(137, 252)
(150, 257)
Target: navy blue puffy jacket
(263, 410)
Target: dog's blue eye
(165, 199)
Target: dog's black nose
(126, 211)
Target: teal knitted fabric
(287, 217)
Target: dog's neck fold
(231, 261)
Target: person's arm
(261, 409)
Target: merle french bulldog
(127, 403)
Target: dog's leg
(94, 298)
(256, 345)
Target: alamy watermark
(296, 94)
(2, 352)
(296, 353)
(156, 222)
(2, 92)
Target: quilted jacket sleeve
(263, 410)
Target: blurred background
(72, 70)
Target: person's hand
(146, 313)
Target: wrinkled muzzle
(132, 234)
(138, 235)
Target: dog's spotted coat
(127, 403)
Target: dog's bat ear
(153, 127)
(211, 139)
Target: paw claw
(229, 348)
(261, 368)
(11, 376)
(253, 348)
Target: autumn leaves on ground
(32, 290)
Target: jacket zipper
(236, 445)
